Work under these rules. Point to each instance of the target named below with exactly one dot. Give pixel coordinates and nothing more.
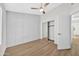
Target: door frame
(48, 28)
(71, 24)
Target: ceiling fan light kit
(41, 9)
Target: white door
(64, 32)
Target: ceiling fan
(41, 8)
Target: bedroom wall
(54, 15)
(57, 14)
(3, 40)
(22, 28)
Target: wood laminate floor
(42, 48)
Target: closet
(51, 30)
(48, 30)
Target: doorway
(75, 27)
(48, 30)
(51, 30)
(75, 32)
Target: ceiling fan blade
(35, 8)
(46, 4)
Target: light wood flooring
(42, 48)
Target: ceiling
(25, 7)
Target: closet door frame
(49, 27)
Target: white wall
(22, 28)
(64, 28)
(55, 14)
(44, 30)
(0, 25)
(3, 42)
